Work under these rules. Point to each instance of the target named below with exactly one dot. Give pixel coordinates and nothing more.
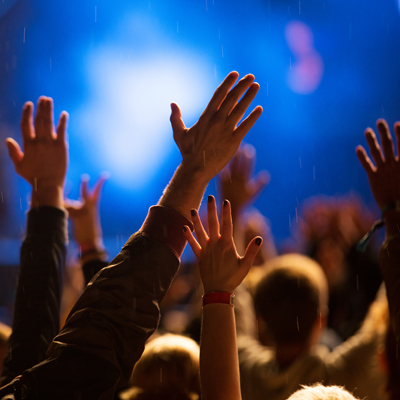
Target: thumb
(252, 249)
(14, 151)
(178, 126)
(73, 207)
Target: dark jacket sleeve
(105, 333)
(37, 302)
(91, 268)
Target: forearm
(51, 196)
(37, 303)
(219, 366)
(185, 191)
(119, 309)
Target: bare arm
(211, 142)
(384, 179)
(221, 270)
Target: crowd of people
(317, 320)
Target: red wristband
(218, 297)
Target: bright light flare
(127, 117)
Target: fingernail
(258, 241)
(210, 199)
(184, 229)
(193, 212)
(225, 203)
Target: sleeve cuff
(166, 225)
(47, 221)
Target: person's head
(168, 369)
(5, 332)
(291, 299)
(320, 392)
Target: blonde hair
(168, 368)
(5, 333)
(320, 392)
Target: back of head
(168, 369)
(290, 297)
(320, 392)
(5, 333)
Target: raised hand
(85, 214)
(43, 159)
(221, 267)
(212, 141)
(384, 176)
(237, 183)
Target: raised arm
(384, 180)
(238, 185)
(211, 142)
(105, 333)
(221, 270)
(87, 232)
(43, 163)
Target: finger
(192, 241)
(234, 95)
(212, 218)
(98, 187)
(252, 249)
(397, 132)
(62, 126)
(226, 221)
(73, 207)
(39, 118)
(84, 186)
(386, 140)
(48, 122)
(374, 147)
(14, 151)
(178, 126)
(201, 234)
(238, 112)
(220, 94)
(26, 122)
(247, 124)
(365, 160)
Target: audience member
(384, 179)
(43, 164)
(167, 369)
(320, 392)
(104, 336)
(328, 231)
(221, 270)
(5, 332)
(84, 214)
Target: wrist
(49, 196)
(217, 297)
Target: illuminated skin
(221, 270)
(211, 142)
(85, 216)
(43, 160)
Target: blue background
(115, 66)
